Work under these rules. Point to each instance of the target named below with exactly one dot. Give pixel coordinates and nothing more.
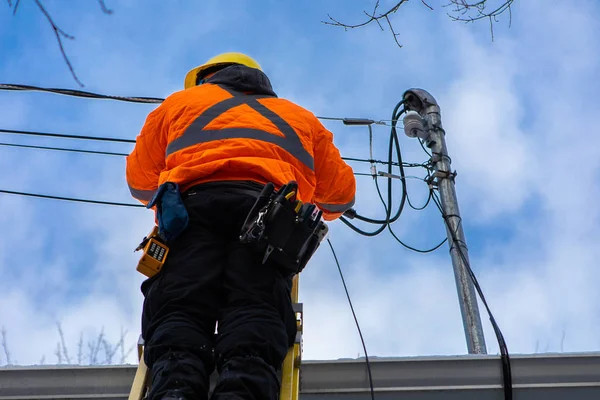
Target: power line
(106, 153)
(44, 196)
(504, 355)
(66, 136)
(355, 320)
(146, 100)
(81, 93)
(132, 141)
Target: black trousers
(211, 277)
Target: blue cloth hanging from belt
(171, 213)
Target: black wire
(44, 196)
(106, 153)
(424, 205)
(397, 238)
(66, 136)
(505, 357)
(423, 147)
(387, 220)
(394, 163)
(355, 320)
(130, 99)
(81, 93)
(120, 140)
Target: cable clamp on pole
(445, 175)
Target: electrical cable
(355, 320)
(44, 196)
(81, 93)
(423, 147)
(398, 239)
(504, 355)
(132, 141)
(394, 163)
(456, 243)
(388, 219)
(424, 205)
(394, 144)
(106, 153)
(131, 99)
(66, 136)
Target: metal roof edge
(325, 377)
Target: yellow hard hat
(221, 59)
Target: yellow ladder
(290, 375)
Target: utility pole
(427, 125)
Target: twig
(128, 353)
(105, 10)
(374, 17)
(465, 9)
(108, 352)
(16, 6)
(97, 348)
(426, 5)
(58, 353)
(91, 354)
(5, 346)
(62, 341)
(80, 349)
(122, 344)
(59, 32)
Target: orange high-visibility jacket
(234, 127)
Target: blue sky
(518, 112)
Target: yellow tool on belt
(154, 255)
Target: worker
(215, 304)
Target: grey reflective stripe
(195, 133)
(145, 195)
(336, 207)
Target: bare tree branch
(462, 10)
(80, 349)
(426, 5)
(58, 353)
(96, 348)
(16, 6)
(62, 343)
(91, 354)
(374, 17)
(5, 346)
(478, 10)
(105, 9)
(108, 352)
(59, 33)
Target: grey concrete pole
(422, 102)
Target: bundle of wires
(382, 224)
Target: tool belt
(285, 229)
